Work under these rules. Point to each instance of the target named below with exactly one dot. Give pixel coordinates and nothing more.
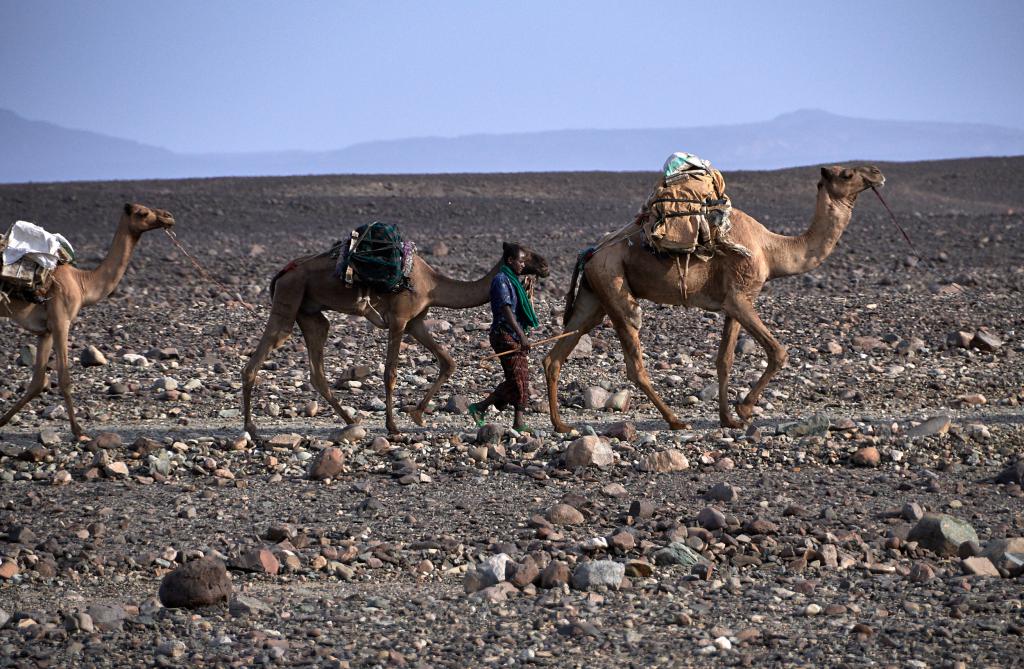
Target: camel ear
(825, 174)
(128, 208)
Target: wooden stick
(542, 341)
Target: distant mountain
(39, 151)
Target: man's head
(515, 257)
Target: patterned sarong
(515, 389)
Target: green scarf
(524, 314)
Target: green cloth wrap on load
(524, 313)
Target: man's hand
(524, 345)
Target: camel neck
(454, 294)
(100, 282)
(803, 253)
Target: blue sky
(225, 75)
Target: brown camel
(623, 272)
(73, 289)
(307, 287)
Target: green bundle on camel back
(396, 300)
(720, 267)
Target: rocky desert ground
(872, 515)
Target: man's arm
(510, 318)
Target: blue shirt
(503, 294)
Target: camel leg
(624, 310)
(44, 345)
(278, 329)
(421, 333)
(746, 315)
(587, 314)
(395, 331)
(60, 344)
(726, 355)
(314, 330)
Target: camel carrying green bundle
(376, 257)
(688, 212)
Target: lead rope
(921, 261)
(202, 270)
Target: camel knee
(778, 358)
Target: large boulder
(942, 533)
(589, 451)
(598, 573)
(198, 583)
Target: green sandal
(476, 415)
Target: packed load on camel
(688, 212)
(30, 254)
(376, 257)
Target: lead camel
(619, 275)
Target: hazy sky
(205, 76)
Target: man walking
(513, 315)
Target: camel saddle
(688, 212)
(28, 256)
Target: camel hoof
(678, 425)
(254, 434)
(417, 416)
(730, 422)
(745, 411)
(562, 428)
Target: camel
(623, 272)
(307, 287)
(71, 290)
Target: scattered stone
(201, 582)
(622, 430)
(490, 433)
(721, 492)
(930, 427)
(288, 441)
(107, 440)
(327, 464)
(458, 405)
(986, 341)
(244, 605)
(616, 490)
(942, 533)
(867, 457)
(525, 573)
(711, 518)
(664, 461)
(595, 397)
(677, 553)
(8, 569)
(815, 426)
(979, 566)
(49, 438)
(92, 357)
(554, 575)
(1014, 473)
(598, 573)
(352, 434)
(912, 512)
(619, 401)
(257, 560)
(641, 508)
(563, 514)
(589, 451)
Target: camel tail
(570, 297)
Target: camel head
(845, 183)
(141, 219)
(535, 264)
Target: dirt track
(406, 518)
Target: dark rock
(198, 583)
